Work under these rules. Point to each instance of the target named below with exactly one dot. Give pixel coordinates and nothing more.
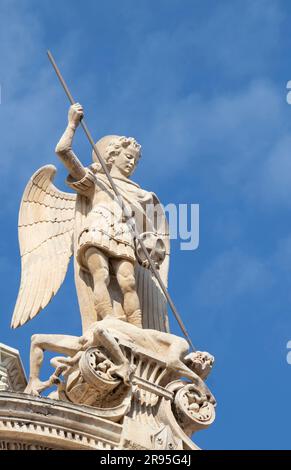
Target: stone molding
(12, 375)
(40, 423)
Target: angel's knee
(98, 266)
(126, 281)
(101, 275)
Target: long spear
(122, 205)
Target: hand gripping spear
(122, 205)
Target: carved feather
(45, 228)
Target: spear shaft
(122, 205)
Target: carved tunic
(104, 225)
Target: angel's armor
(54, 224)
(104, 225)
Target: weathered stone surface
(12, 375)
(125, 382)
(147, 405)
(28, 422)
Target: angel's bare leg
(61, 344)
(98, 266)
(124, 271)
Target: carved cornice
(53, 424)
(12, 375)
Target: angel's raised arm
(64, 146)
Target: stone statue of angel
(126, 361)
(112, 277)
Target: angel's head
(120, 152)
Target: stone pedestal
(155, 410)
(31, 423)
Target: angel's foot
(135, 318)
(36, 386)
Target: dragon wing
(152, 299)
(45, 230)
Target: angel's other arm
(64, 146)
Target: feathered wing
(45, 229)
(152, 299)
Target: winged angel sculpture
(126, 359)
(111, 275)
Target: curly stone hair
(114, 148)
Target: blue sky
(202, 86)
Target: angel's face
(126, 161)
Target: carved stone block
(12, 375)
